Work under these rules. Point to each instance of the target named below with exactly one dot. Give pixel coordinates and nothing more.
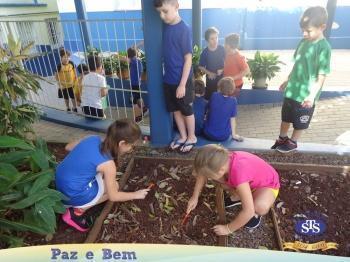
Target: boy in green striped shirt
(304, 84)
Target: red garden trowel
(185, 219)
(150, 182)
(151, 185)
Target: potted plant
(93, 51)
(124, 67)
(263, 66)
(195, 62)
(144, 66)
(110, 65)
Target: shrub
(26, 201)
(16, 83)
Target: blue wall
(262, 29)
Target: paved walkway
(331, 119)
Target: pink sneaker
(78, 222)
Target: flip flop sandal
(240, 139)
(187, 144)
(175, 145)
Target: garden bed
(138, 222)
(151, 221)
(158, 218)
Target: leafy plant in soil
(27, 203)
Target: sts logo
(310, 226)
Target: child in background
(87, 175)
(212, 61)
(78, 85)
(236, 65)
(177, 79)
(305, 82)
(222, 112)
(66, 77)
(253, 182)
(136, 69)
(199, 105)
(94, 89)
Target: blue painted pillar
(331, 7)
(160, 120)
(197, 22)
(83, 27)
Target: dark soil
(158, 218)
(322, 196)
(262, 237)
(138, 222)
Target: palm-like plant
(16, 83)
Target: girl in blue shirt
(87, 175)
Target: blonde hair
(226, 86)
(210, 159)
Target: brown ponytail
(120, 130)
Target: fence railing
(110, 39)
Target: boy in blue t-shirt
(178, 83)
(212, 61)
(222, 112)
(199, 106)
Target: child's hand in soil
(221, 230)
(192, 203)
(141, 194)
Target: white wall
(25, 13)
(29, 23)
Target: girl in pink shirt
(252, 182)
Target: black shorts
(293, 112)
(184, 104)
(66, 93)
(92, 111)
(135, 95)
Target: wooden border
(95, 230)
(220, 205)
(345, 170)
(276, 227)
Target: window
(54, 32)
